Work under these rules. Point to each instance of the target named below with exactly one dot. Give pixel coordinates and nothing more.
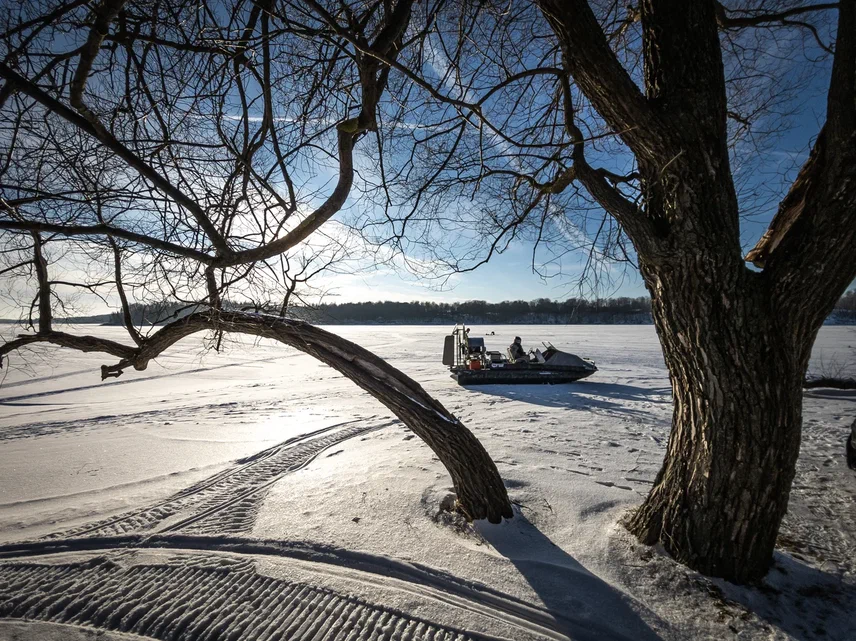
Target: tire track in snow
(170, 589)
(227, 502)
(204, 599)
(49, 377)
(411, 582)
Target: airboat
(471, 363)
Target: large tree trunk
(717, 503)
(480, 491)
(736, 342)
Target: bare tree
(632, 132)
(627, 131)
(193, 152)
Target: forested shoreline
(542, 311)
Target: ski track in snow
(14, 400)
(50, 428)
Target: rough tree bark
(850, 447)
(736, 342)
(719, 498)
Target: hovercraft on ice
(470, 363)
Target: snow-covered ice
(348, 505)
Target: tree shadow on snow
(804, 602)
(584, 606)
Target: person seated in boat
(516, 351)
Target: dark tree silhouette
(179, 151)
(174, 134)
(736, 341)
(615, 128)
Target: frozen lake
(67, 434)
(76, 451)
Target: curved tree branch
(44, 285)
(347, 132)
(480, 490)
(72, 341)
(729, 20)
(601, 77)
(106, 230)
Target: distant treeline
(152, 313)
(611, 311)
(540, 311)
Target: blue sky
(763, 172)
(506, 277)
(510, 275)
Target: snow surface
(574, 457)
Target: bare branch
(104, 15)
(63, 339)
(44, 285)
(600, 76)
(727, 19)
(108, 140)
(106, 230)
(841, 99)
(120, 290)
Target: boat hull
(529, 376)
